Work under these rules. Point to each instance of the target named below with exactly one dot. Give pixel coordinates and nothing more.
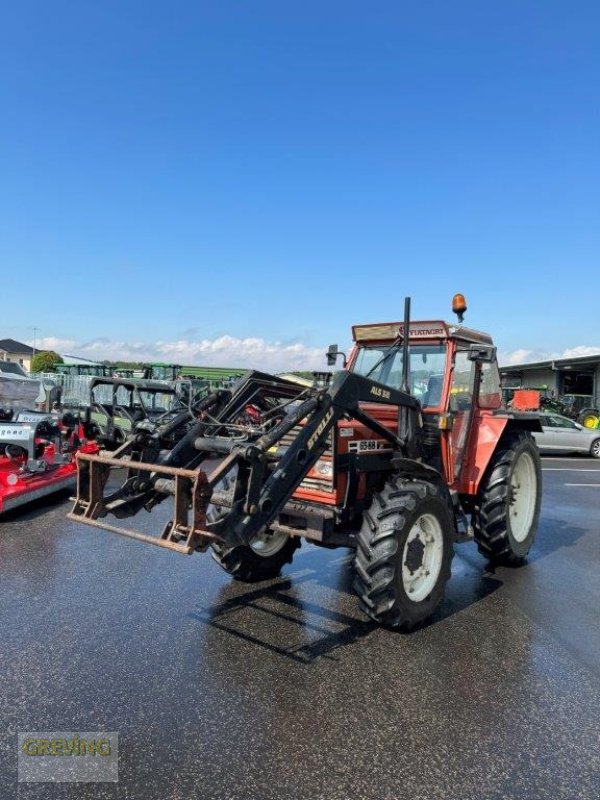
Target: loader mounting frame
(263, 473)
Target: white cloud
(580, 350)
(251, 352)
(224, 351)
(523, 356)
(515, 357)
(53, 343)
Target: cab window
(427, 366)
(490, 393)
(461, 397)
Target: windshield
(427, 364)
(159, 401)
(154, 401)
(164, 372)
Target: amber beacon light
(459, 306)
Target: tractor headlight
(324, 468)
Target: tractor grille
(315, 483)
(288, 438)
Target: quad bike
(405, 452)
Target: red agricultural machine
(407, 451)
(37, 456)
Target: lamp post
(34, 343)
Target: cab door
(460, 408)
(474, 393)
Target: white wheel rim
(422, 557)
(268, 542)
(596, 448)
(522, 497)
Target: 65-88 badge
(368, 445)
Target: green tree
(45, 361)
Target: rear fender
(488, 430)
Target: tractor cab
(453, 373)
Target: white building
(11, 350)
(560, 376)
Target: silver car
(562, 434)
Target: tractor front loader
(404, 453)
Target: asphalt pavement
(283, 689)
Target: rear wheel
(506, 517)
(403, 555)
(595, 448)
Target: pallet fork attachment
(190, 494)
(256, 473)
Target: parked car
(563, 434)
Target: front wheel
(506, 516)
(259, 560)
(595, 449)
(404, 551)
(262, 558)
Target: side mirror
(333, 354)
(486, 353)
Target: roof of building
(213, 373)
(12, 346)
(554, 363)
(67, 359)
(134, 383)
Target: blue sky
(243, 181)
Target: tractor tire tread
(378, 555)
(490, 518)
(243, 564)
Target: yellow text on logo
(66, 747)
(378, 392)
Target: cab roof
(421, 330)
(134, 383)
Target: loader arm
(255, 475)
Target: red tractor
(407, 451)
